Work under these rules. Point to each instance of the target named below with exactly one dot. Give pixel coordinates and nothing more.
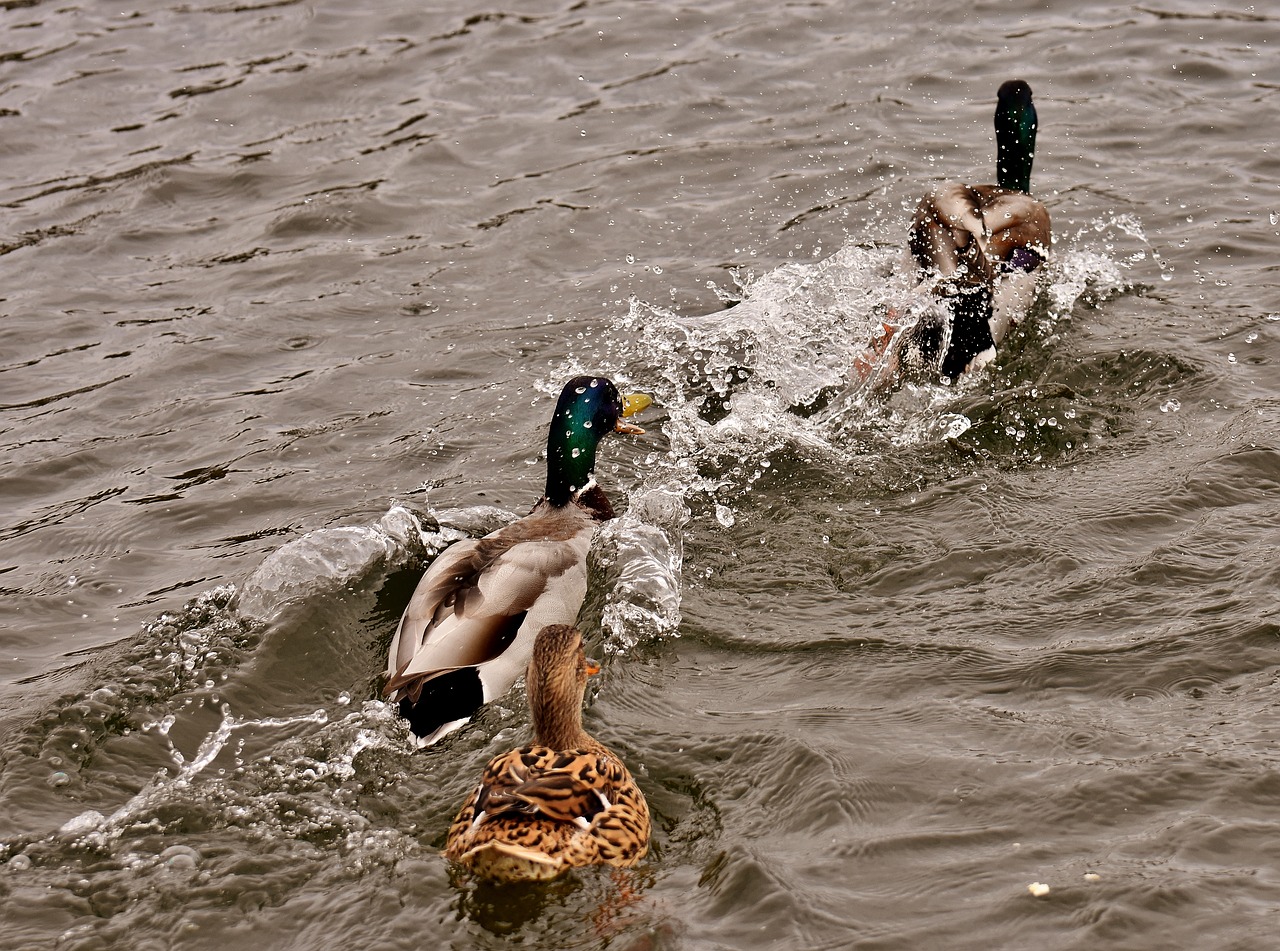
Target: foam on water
(94, 830)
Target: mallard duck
(976, 248)
(563, 802)
(469, 629)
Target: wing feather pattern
(539, 811)
(482, 601)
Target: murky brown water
(274, 270)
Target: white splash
(93, 829)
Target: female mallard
(564, 802)
(468, 630)
(980, 246)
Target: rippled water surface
(288, 290)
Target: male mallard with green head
(979, 246)
(468, 631)
(563, 802)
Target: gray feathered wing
(482, 602)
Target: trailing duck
(563, 802)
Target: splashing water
(771, 372)
(768, 377)
(91, 829)
(740, 380)
(646, 548)
(1095, 262)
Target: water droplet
(180, 857)
(576, 452)
(586, 424)
(1170, 406)
(724, 515)
(1231, 358)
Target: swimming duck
(469, 629)
(563, 802)
(976, 249)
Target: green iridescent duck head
(590, 407)
(1015, 135)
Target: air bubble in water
(180, 857)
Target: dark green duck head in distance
(1015, 135)
(589, 408)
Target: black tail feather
(452, 696)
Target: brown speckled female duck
(564, 802)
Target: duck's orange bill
(632, 403)
(593, 667)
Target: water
(289, 289)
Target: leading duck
(468, 631)
(976, 248)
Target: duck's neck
(557, 716)
(571, 458)
(1015, 136)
